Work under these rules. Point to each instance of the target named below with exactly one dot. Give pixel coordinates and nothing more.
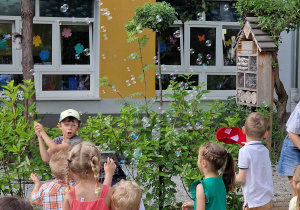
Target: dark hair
(217, 156)
(13, 203)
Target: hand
(38, 128)
(109, 166)
(35, 178)
(187, 205)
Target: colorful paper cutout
(201, 38)
(7, 36)
(37, 41)
(228, 42)
(44, 55)
(79, 48)
(163, 47)
(66, 33)
(3, 44)
(172, 40)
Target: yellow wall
(116, 50)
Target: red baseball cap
(231, 135)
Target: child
(69, 124)
(295, 202)
(126, 195)
(13, 203)
(84, 163)
(210, 193)
(255, 172)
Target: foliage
(274, 16)
(157, 16)
(19, 154)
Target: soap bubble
(103, 28)
(155, 59)
(128, 69)
(64, 8)
(32, 71)
(177, 34)
(114, 88)
(199, 55)
(178, 152)
(109, 17)
(105, 37)
(156, 153)
(59, 22)
(173, 76)
(103, 91)
(163, 67)
(192, 51)
(208, 56)
(157, 76)
(208, 43)
(125, 153)
(199, 61)
(178, 48)
(103, 56)
(198, 126)
(200, 16)
(77, 56)
(134, 135)
(122, 163)
(87, 20)
(86, 52)
(73, 19)
(158, 18)
(226, 7)
(137, 153)
(155, 134)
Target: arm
(67, 201)
(50, 143)
(37, 185)
(295, 139)
(107, 198)
(200, 197)
(109, 168)
(241, 176)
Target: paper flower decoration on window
(66, 32)
(79, 48)
(37, 40)
(44, 55)
(3, 44)
(163, 47)
(7, 36)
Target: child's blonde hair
(256, 125)
(217, 155)
(126, 195)
(84, 160)
(58, 163)
(296, 178)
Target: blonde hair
(217, 156)
(296, 178)
(126, 195)
(83, 161)
(58, 163)
(256, 125)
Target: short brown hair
(126, 195)
(58, 164)
(256, 125)
(13, 203)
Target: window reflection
(66, 82)
(6, 78)
(166, 78)
(12, 7)
(5, 43)
(228, 40)
(42, 44)
(222, 11)
(203, 46)
(221, 82)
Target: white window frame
(218, 69)
(56, 68)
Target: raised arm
(109, 168)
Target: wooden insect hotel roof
(252, 31)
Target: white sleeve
(293, 124)
(142, 207)
(244, 159)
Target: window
(206, 45)
(65, 47)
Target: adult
(290, 152)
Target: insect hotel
(254, 47)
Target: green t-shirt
(215, 193)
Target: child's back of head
(84, 162)
(58, 164)
(13, 203)
(256, 125)
(296, 185)
(126, 195)
(217, 156)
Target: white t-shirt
(258, 188)
(293, 123)
(293, 203)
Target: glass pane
(74, 42)
(5, 43)
(12, 7)
(42, 44)
(6, 78)
(222, 11)
(66, 82)
(166, 78)
(203, 46)
(228, 40)
(221, 82)
(170, 47)
(181, 8)
(63, 8)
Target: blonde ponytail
(95, 168)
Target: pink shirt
(90, 205)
